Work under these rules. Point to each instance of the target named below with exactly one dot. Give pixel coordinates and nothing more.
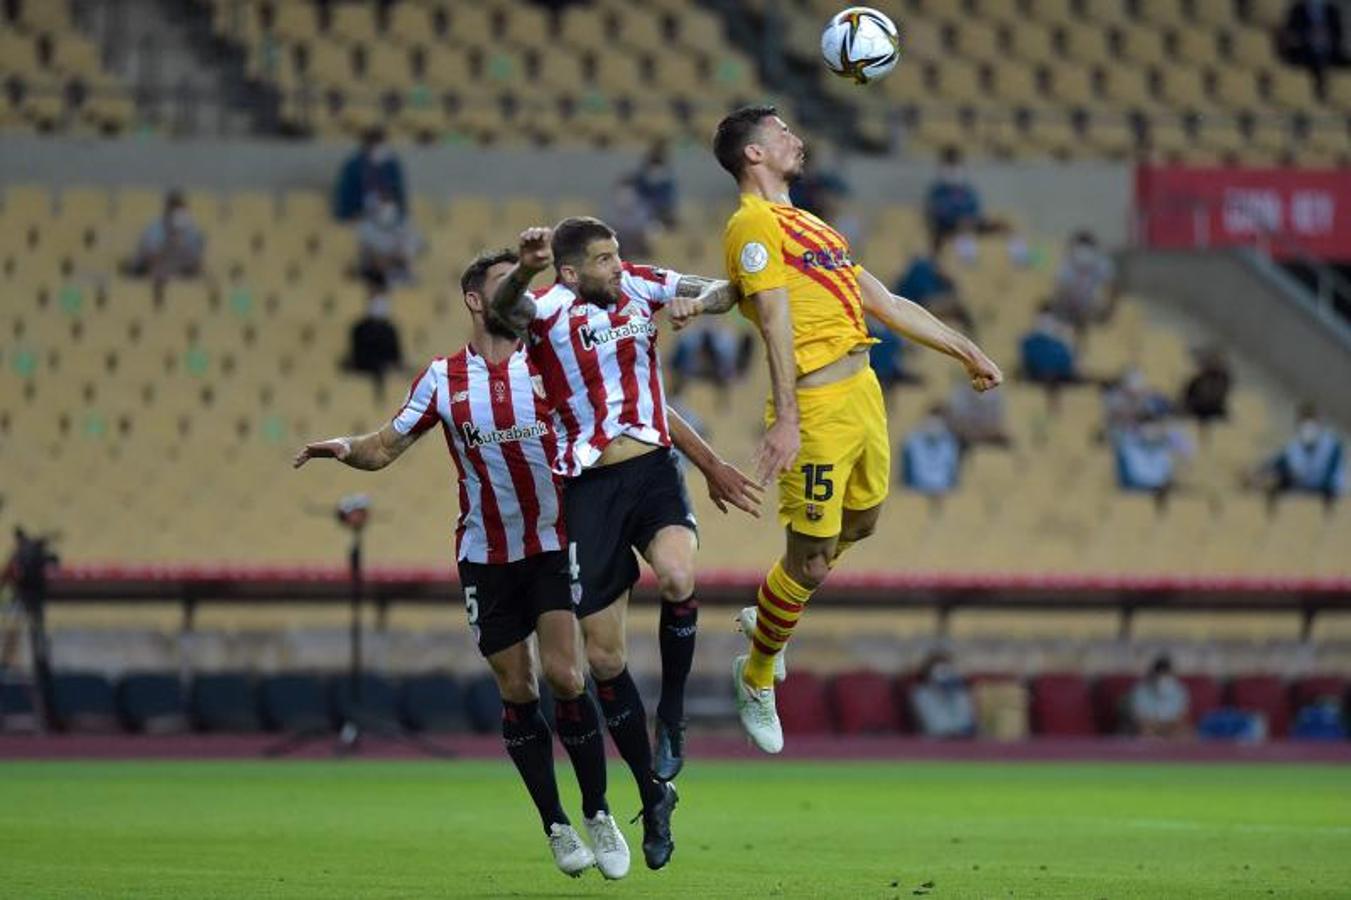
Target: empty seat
(293, 703)
(863, 703)
(224, 702)
(1111, 694)
(1204, 695)
(83, 701)
(1265, 694)
(803, 709)
(16, 707)
(152, 703)
(375, 700)
(1061, 706)
(432, 703)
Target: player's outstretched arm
(910, 320)
(696, 295)
(366, 451)
(726, 483)
(510, 304)
(778, 448)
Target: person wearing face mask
(370, 172)
(1085, 291)
(931, 455)
(386, 242)
(1313, 461)
(375, 347)
(1158, 704)
(940, 700)
(171, 246)
(953, 209)
(1147, 455)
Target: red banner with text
(1290, 211)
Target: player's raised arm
(510, 304)
(696, 295)
(726, 483)
(364, 451)
(913, 321)
(779, 447)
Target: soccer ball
(861, 43)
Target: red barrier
(1290, 211)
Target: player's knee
(564, 678)
(676, 583)
(857, 531)
(517, 688)
(811, 571)
(605, 662)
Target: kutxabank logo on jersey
(475, 437)
(595, 337)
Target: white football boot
(758, 715)
(746, 620)
(571, 853)
(612, 851)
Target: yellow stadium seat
(1195, 47)
(388, 66)
(1214, 12)
(978, 41)
(960, 82)
(1267, 13)
(528, 26)
(921, 39)
(471, 24)
(640, 31)
(1291, 89)
(1031, 42)
(1183, 88)
(448, 69)
(411, 23)
(353, 23)
(1129, 87)
(1236, 88)
(1161, 12)
(1087, 44)
(1053, 12)
(1142, 45)
(583, 30)
(1015, 82)
(700, 30)
(295, 21)
(1073, 84)
(1104, 12)
(1251, 47)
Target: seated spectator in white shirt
(171, 246)
(1312, 462)
(940, 700)
(387, 243)
(1148, 455)
(931, 455)
(1159, 703)
(1085, 289)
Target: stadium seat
(1061, 706)
(483, 704)
(293, 703)
(152, 703)
(802, 703)
(1265, 694)
(224, 702)
(1110, 694)
(377, 698)
(1318, 687)
(17, 712)
(863, 702)
(432, 703)
(1204, 695)
(83, 701)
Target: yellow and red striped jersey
(776, 245)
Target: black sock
(676, 638)
(530, 747)
(627, 722)
(579, 732)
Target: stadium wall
(1047, 198)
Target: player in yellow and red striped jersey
(826, 436)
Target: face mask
(1082, 254)
(387, 214)
(1309, 431)
(378, 308)
(380, 153)
(179, 219)
(950, 173)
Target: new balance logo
(475, 437)
(593, 337)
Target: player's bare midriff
(849, 364)
(622, 449)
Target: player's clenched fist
(984, 373)
(684, 310)
(535, 250)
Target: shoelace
(568, 841)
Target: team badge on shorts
(815, 513)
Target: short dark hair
(472, 278)
(735, 131)
(574, 234)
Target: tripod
(353, 514)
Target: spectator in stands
(887, 357)
(931, 455)
(171, 246)
(1148, 454)
(1085, 290)
(387, 243)
(1206, 394)
(1048, 351)
(713, 349)
(1312, 462)
(925, 282)
(372, 172)
(1130, 400)
(375, 348)
(632, 221)
(655, 184)
(978, 419)
(953, 209)
(1159, 702)
(940, 700)
(1312, 37)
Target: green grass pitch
(744, 829)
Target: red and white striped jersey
(498, 430)
(600, 366)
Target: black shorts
(505, 601)
(611, 512)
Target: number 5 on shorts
(471, 603)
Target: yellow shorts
(845, 460)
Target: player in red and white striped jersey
(515, 573)
(593, 337)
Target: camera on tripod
(30, 562)
(354, 511)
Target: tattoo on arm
(510, 304)
(718, 295)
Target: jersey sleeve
(753, 246)
(656, 287)
(419, 410)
